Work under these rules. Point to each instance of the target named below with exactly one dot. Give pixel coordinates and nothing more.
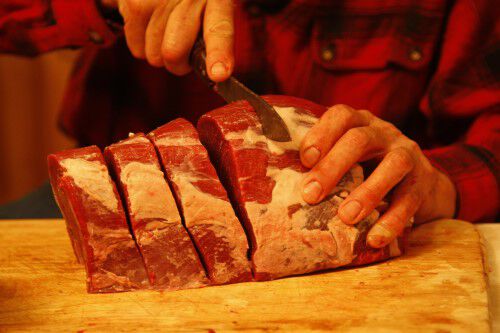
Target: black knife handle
(197, 60)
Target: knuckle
(221, 29)
(371, 194)
(323, 170)
(358, 137)
(413, 146)
(172, 54)
(390, 129)
(401, 159)
(135, 6)
(339, 110)
(345, 117)
(366, 114)
(154, 60)
(395, 221)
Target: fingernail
(379, 236)
(350, 211)
(311, 156)
(312, 192)
(218, 69)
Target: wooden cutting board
(438, 286)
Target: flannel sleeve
(466, 88)
(31, 27)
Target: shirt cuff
(81, 23)
(474, 172)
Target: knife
(232, 90)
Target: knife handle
(197, 60)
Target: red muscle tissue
(95, 221)
(204, 204)
(170, 258)
(259, 178)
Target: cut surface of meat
(96, 221)
(263, 177)
(208, 214)
(169, 255)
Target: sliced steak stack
(288, 236)
(203, 201)
(170, 258)
(177, 225)
(95, 220)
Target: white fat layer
(134, 139)
(274, 227)
(203, 208)
(198, 207)
(298, 125)
(93, 178)
(115, 239)
(176, 141)
(148, 192)
(286, 244)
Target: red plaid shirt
(431, 67)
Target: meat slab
(187, 219)
(170, 258)
(203, 201)
(96, 221)
(288, 236)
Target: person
(427, 71)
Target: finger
(218, 32)
(180, 34)
(363, 200)
(136, 15)
(405, 202)
(349, 149)
(155, 32)
(331, 126)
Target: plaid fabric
(432, 67)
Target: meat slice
(96, 221)
(170, 258)
(288, 236)
(203, 202)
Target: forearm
(41, 26)
(473, 166)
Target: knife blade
(273, 126)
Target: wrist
(448, 193)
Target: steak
(96, 221)
(288, 236)
(208, 215)
(169, 256)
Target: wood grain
(438, 286)
(490, 237)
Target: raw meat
(203, 202)
(288, 236)
(169, 255)
(96, 221)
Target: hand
(344, 136)
(164, 31)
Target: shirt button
(415, 54)
(95, 37)
(328, 53)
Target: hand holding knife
(232, 90)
